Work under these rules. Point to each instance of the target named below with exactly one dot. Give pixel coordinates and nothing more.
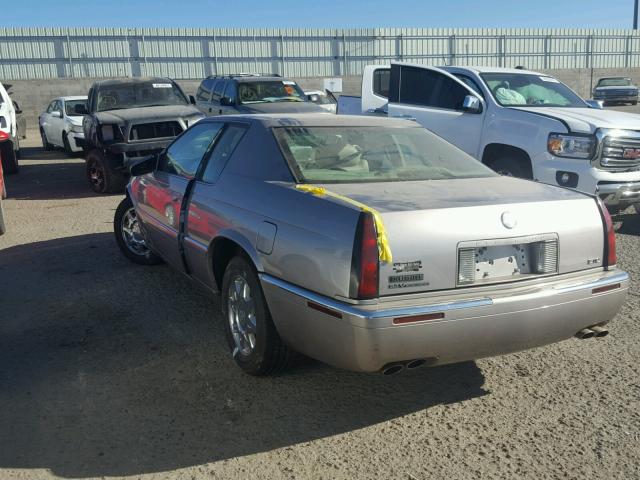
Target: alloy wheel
(242, 316)
(131, 233)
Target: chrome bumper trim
(617, 278)
(374, 314)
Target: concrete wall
(34, 95)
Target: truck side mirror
(597, 104)
(192, 100)
(226, 102)
(471, 104)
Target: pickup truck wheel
(510, 167)
(254, 341)
(9, 158)
(129, 236)
(101, 176)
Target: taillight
(609, 255)
(365, 265)
(3, 136)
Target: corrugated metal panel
(192, 53)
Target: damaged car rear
(370, 244)
(128, 119)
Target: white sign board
(333, 84)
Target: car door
(55, 124)
(436, 99)
(203, 96)
(228, 100)
(164, 191)
(216, 95)
(205, 213)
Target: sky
(319, 13)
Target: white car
(324, 99)
(10, 148)
(61, 124)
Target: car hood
(146, 114)
(436, 194)
(280, 107)
(588, 120)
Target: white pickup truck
(520, 123)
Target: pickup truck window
(373, 154)
(185, 154)
(139, 94)
(419, 86)
(530, 90)
(381, 77)
(218, 88)
(614, 82)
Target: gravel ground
(108, 369)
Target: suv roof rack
(239, 75)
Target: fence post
(284, 72)
(70, 56)
(627, 50)
(452, 49)
(546, 51)
(215, 54)
(345, 67)
(401, 47)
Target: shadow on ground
(108, 368)
(48, 176)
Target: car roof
(136, 80)
(481, 69)
(614, 78)
(314, 120)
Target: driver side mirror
(17, 108)
(145, 165)
(80, 109)
(597, 104)
(226, 102)
(471, 104)
(56, 113)
(192, 100)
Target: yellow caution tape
(384, 251)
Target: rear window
(615, 82)
(373, 154)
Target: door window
(204, 91)
(420, 86)
(231, 92)
(51, 107)
(222, 151)
(185, 154)
(218, 88)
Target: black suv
(252, 93)
(127, 119)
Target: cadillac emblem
(508, 220)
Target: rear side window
(231, 92)
(222, 152)
(204, 91)
(419, 86)
(183, 156)
(218, 88)
(381, 78)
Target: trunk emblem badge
(508, 220)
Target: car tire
(3, 228)
(101, 176)
(45, 142)
(66, 144)
(509, 167)
(9, 158)
(129, 236)
(255, 344)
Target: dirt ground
(109, 369)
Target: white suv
(10, 149)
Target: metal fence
(32, 53)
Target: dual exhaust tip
(592, 332)
(397, 367)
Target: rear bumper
(616, 98)
(487, 323)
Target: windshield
(132, 95)
(70, 107)
(373, 154)
(614, 82)
(270, 91)
(527, 89)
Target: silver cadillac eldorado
(370, 244)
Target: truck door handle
(219, 112)
(210, 109)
